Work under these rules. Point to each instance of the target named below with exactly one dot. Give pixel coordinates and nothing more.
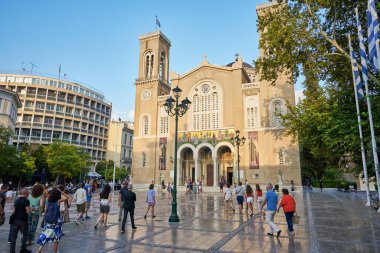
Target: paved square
(330, 222)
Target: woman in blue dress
(53, 227)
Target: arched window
(164, 121)
(143, 159)
(145, 125)
(277, 112)
(252, 112)
(206, 107)
(149, 60)
(162, 65)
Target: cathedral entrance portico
(186, 163)
(225, 162)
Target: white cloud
(123, 115)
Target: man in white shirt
(80, 199)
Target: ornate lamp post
(236, 141)
(173, 108)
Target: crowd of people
(51, 207)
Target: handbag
(295, 219)
(62, 207)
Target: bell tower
(152, 82)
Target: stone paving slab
(330, 222)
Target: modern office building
(225, 98)
(53, 108)
(120, 139)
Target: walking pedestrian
(36, 200)
(129, 199)
(288, 205)
(80, 200)
(321, 184)
(3, 191)
(259, 197)
(240, 191)
(53, 228)
(19, 221)
(169, 190)
(271, 200)
(221, 184)
(228, 198)
(88, 189)
(249, 198)
(120, 202)
(64, 206)
(105, 200)
(150, 200)
(200, 187)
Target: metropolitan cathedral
(224, 99)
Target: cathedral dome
(245, 65)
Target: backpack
(2, 214)
(52, 213)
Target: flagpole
(364, 161)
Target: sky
(97, 41)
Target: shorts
(259, 199)
(151, 203)
(104, 209)
(240, 200)
(88, 204)
(249, 199)
(81, 208)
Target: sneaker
(278, 233)
(76, 222)
(144, 216)
(270, 234)
(154, 216)
(233, 210)
(134, 227)
(122, 231)
(96, 227)
(119, 219)
(88, 217)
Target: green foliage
(65, 159)
(5, 134)
(309, 38)
(101, 166)
(120, 173)
(343, 184)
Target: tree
(65, 159)
(102, 166)
(309, 38)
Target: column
(215, 161)
(196, 167)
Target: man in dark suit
(129, 199)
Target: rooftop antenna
(22, 66)
(33, 65)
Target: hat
(130, 186)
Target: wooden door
(210, 174)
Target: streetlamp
(236, 141)
(178, 110)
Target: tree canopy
(308, 38)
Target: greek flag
(363, 57)
(158, 22)
(355, 72)
(373, 34)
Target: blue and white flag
(363, 56)
(373, 34)
(355, 72)
(158, 22)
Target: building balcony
(59, 112)
(253, 88)
(28, 109)
(51, 98)
(30, 95)
(48, 125)
(68, 127)
(70, 101)
(43, 96)
(57, 126)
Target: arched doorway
(187, 165)
(225, 164)
(206, 166)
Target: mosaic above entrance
(198, 137)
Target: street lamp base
(174, 218)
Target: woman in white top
(228, 198)
(105, 200)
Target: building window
(162, 65)
(164, 121)
(277, 111)
(143, 159)
(149, 62)
(252, 112)
(206, 109)
(281, 157)
(145, 125)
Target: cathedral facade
(224, 99)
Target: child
(150, 200)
